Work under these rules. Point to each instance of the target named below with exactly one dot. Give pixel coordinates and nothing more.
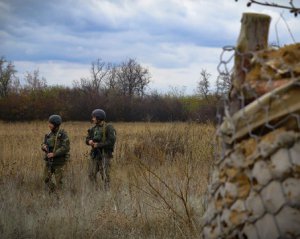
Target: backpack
(113, 134)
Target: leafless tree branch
(291, 7)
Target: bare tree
(223, 85)
(203, 84)
(7, 76)
(289, 6)
(34, 82)
(176, 92)
(99, 71)
(132, 78)
(111, 80)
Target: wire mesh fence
(254, 189)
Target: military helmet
(55, 120)
(99, 114)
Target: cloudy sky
(174, 39)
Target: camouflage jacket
(105, 137)
(58, 143)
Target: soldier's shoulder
(109, 126)
(62, 133)
(92, 128)
(110, 129)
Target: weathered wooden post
(253, 37)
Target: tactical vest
(99, 134)
(53, 142)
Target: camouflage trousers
(102, 165)
(54, 170)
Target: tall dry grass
(159, 175)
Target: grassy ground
(159, 176)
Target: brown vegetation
(159, 176)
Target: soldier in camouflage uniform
(56, 145)
(101, 138)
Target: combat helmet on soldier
(99, 114)
(56, 120)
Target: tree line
(122, 90)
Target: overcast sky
(174, 39)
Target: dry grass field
(159, 176)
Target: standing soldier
(101, 138)
(56, 145)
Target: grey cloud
(157, 32)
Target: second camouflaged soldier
(56, 145)
(101, 137)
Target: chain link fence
(254, 189)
